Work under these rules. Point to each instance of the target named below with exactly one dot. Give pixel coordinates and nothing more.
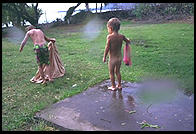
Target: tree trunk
(6, 25)
(101, 7)
(70, 12)
(96, 7)
(23, 22)
(36, 14)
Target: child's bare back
(37, 36)
(116, 41)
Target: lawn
(158, 51)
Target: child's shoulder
(121, 35)
(109, 36)
(32, 31)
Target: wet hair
(114, 23)
(29, 27)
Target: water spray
(157, 91)
(92, 29)
(15, 35)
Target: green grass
(158, 50)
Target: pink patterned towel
(127, 55)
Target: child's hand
(53, 40)
(129, 42)
(20, 49)
(104, 60)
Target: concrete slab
(99, 109)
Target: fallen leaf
(145, 124)
(74, 85)
(134, 111)
(123, 123)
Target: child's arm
(24, 41)
(49, 39)
(126, 40)
(107, 48)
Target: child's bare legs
(42, 73)
(117, 71)
(112, 77)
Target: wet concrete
(98, 109)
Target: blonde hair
(29, 27)
(114, 23)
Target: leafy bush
(151, 10)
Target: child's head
(113, 25)
(29, 27)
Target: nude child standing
(113, 47)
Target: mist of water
(92, 29)
(15, 35)
(157, 91)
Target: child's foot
(51, 80)
(112, 88)
(119, 87)
(44, 82)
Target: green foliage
(151, 10)
(141, 10)
(20, 12)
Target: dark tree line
(20, 13)
(143, 10)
